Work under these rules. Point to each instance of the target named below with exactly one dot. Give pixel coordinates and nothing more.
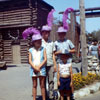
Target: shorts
(41, 73)
(65, 83)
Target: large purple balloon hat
(48, 27)
(65, 26)
(30, 31)
(33, 33)
(65, 17)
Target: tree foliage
(95, 35)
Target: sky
(92, 24)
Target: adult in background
(93, 49)
(99, 50)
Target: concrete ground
(16, 84)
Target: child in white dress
(37, 60)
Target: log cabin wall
(14, 40)
(24, 46)
(42, 11)
(42, 20)
(7, 51)
(1, 48)
(15, 16)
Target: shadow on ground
(39, 97)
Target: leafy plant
(80, 81)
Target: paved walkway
(16, 84)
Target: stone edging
(87, 90)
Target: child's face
(62, 35)
(95, 43)
(45, 34)
(64, 58)
(37, 43)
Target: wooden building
(15, 16)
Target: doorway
(16, 54)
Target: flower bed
(80, 81)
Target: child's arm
(72, 50)
(45, 59)
(71, 84)
(58, 52)
(31, 63)
(54, 61)
(58, 76)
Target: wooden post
(83, 38)
(72, 34)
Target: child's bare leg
(42, 85)
(34, 89)
(61, 95)
(68, 95)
